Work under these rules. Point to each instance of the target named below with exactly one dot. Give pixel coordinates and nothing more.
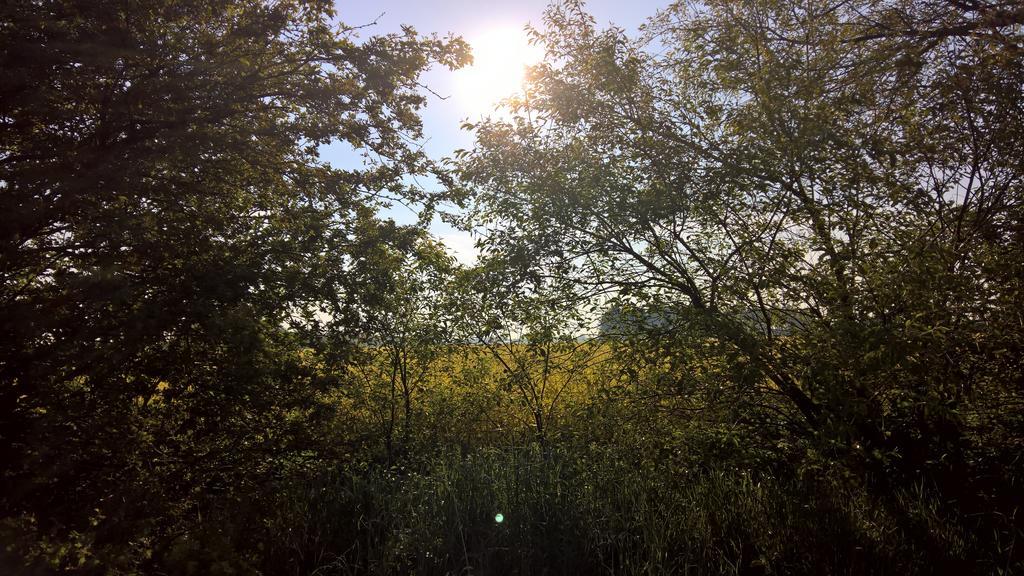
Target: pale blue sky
(472, 20)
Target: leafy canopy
(833, 191)
(171, 241)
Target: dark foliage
(800, 223)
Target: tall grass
(575, 511)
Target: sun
(500, 58)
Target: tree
(171, 243)
(540, 340)
(809, 183)
(409, 332)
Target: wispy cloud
(461, 245)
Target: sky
(495, 32)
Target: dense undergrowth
(578, 510)
(639, 502)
